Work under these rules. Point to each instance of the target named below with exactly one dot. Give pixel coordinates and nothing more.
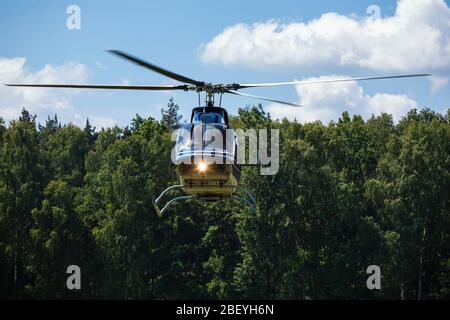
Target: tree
(347, 195)
(89, 131)
(59, 239)
(64, 151)
(21, 180)
(170, 117)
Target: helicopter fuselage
(206, 155)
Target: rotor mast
(210, 93)
(209, 98)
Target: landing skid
(249, 199)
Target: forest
(348, 194)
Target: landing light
(202, 167)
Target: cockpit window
(208, 117)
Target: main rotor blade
(155, 68)
(103, 86)
(255, 85)
(263, 98)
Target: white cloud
(416, 38)
(38, 101)
(395, 104)
(99, 65)
(327, 101)
(438, 83)
(100, 122)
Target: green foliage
(170, 117)
(347, 195)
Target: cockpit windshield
(208, 117)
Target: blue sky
(177, 35)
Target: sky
(225, 42)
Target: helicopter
(200, 175)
